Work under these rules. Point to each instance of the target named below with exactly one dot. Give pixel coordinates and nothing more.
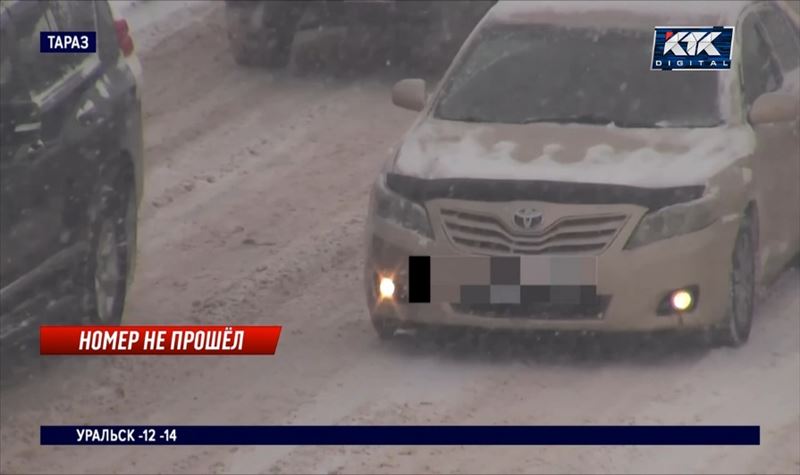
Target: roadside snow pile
(122, 8)
(150, 21)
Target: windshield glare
(539, 73)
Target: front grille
(591, 309)
(481, 233)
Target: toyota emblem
(527, 218)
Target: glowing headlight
(681, 300)
(390, 206)
(386, 287)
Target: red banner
(158, 340)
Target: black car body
(70, 169)
(262, 32)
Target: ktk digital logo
(692, 48)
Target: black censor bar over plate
(419, 279)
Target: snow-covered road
(255, 200)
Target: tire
(385, 328)
(113, 226)
(734, 330)
(267, 44)
(272, 53)
(454, 21)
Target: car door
(783, 36)
(73, 121)
(77, 113)
(774, 174)
(26, 223)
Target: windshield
(522, 74)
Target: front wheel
(107, 264)
(261, 33)
(385, 328)
(734, 329)
(272, 52)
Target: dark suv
(262, 32)
(70, 167)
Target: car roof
(617, 14)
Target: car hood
(576, 153)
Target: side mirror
(21, 121)
(774, 107)
(410, 94)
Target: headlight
(392, 207)
(672, 221)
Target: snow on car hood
(658, 157)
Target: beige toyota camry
(553, 181)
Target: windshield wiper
(600, 120)
(467, 118)
(575, 119)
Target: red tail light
(123, 37)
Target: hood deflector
(471, 189)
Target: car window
(12, 85)
(783, 36)
(10, 89)
(547, 73)
(760, 71)
(46, 70)
(73, 16)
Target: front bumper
(632, 282)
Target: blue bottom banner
(401, 435)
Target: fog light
(386, 288)
(681, 300)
